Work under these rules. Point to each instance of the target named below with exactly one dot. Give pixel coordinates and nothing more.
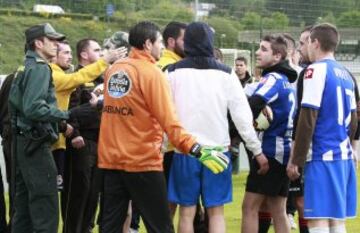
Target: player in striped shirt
(327, 121)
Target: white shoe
(292, 221)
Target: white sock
(338, 229)
(319, 230)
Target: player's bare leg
(277, 207)
(186, 219)
(319, 225)
(216, 219)
(250, 212)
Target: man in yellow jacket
(173, 37)
(65, 83)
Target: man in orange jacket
(137, 110)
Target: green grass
(233, 210)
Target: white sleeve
(353, 104)
(314, 84)
(250, 88)
(268, 89)
(241, 114)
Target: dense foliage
(228, 18)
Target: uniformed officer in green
(35, 118)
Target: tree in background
(349, 19)
(226, 31)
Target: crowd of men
(141, 131)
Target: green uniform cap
(41, 30)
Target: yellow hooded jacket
(66, 83)
(168, 57)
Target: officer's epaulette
(19, 69)
(40, 60)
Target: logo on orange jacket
(119, 84)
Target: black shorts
(274, 183)
(297, 186)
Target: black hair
(241, 58)
(141, 32)
(81, 45)
(31, 45)
(327, 35)
(172, 30)
(278, 44)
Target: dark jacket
(284, 68)
(299, 93)
(85, 121)
(248, 79)
(32, 95)
(5, 127)
(198, 47)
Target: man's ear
(38, 43)
(171, 42)
(84, 55)
(277, 57)
(317, 43)
(148, 45)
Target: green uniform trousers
(36, 197)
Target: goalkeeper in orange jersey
(137, 109)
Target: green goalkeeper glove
(212, 157)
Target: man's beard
(65, 66)
(179, 51)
